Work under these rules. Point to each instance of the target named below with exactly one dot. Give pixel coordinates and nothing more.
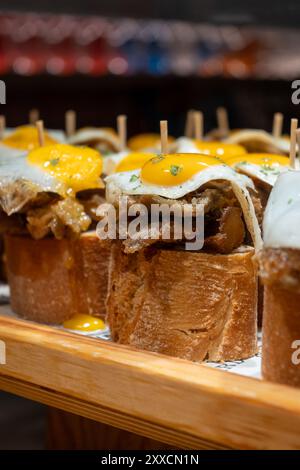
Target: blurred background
(150, 60)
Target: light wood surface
(171, 400)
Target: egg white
(13, 170)
(240, 137)
(186, 145)
(112, 160)
(268, 176)
(86, 135)
(281, 224)
(6, 151)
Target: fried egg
(125, 161)
(60, 169)
(25, 138)
(78, 168)
(174, 176)
(258, 141)
(146, 142)
(105, 140)
(281, 223)
(261, 166)
(217, 149)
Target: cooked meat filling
(224, 227)
(28, 211)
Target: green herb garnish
(290, 201)
(175, 169)
(54, 161)
(157, 159)
(133, 178)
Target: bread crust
(281, 327)
(51, 280)
(192, 305)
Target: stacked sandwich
(56, 266)
(192, 304)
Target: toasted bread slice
(192, 305)
(281, 335)
(51, 280)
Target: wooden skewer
(189, 124)
(70, 122)
(198, 125)
(122, 130)
(164, 137)
(34, 116)
(277, 125)
(293, 142)
(41, 133)
(223, 122)
(298, 144)
(2, 126)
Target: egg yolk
(79, 168)
(261, 159)
(218, 149)
(81, 322)
(143, 141)
(26, 138)
(172, 170)
(133, 161)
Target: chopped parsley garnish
(157, 159)
(133, 178)
(54, 161)
(175, 169)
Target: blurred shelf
(209, 11)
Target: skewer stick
(41, 133)
(189, 124)
(164, 137)
(34, 116)
(293, 142)
(2, 126)
(277, 125)
(70, 122)
(298, 143)
(223, 122)
(198, 124)
(122, 130)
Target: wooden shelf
(171, 400)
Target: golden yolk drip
(261, 159)
(81, 322)
(79, 168)
(218, 149)
(143, 141)
(172, 170)
(133, 161)
(26, 138)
